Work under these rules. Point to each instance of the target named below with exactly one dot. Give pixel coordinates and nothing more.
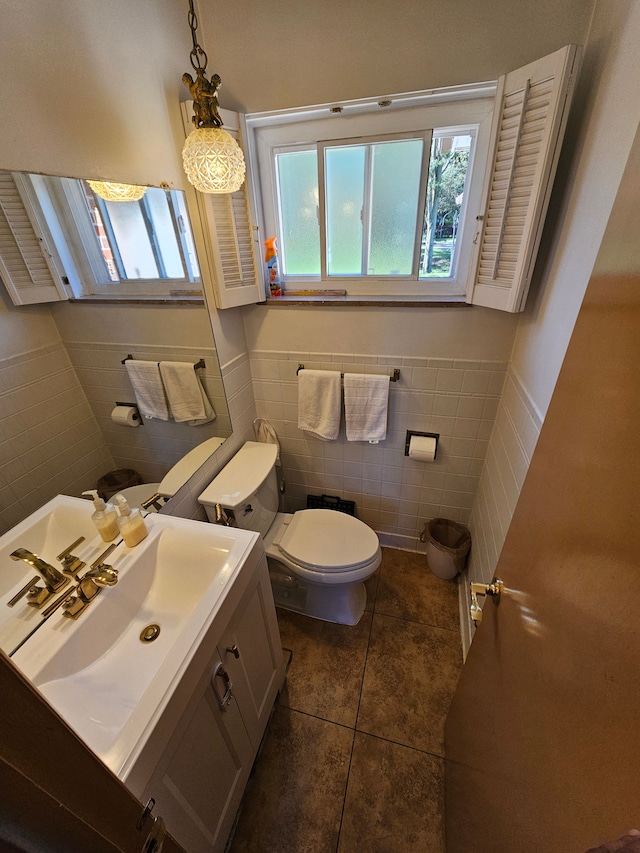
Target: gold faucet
(53, 578)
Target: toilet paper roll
(126, 416)
(422, 448)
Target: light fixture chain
(197, 52)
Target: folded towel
(365, 406)
(319, 403)
(188, 402)
(148, 388)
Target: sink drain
(150, 633)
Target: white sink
(46, 533)
(107, 683)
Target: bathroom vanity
(170, 675)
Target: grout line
(355, 728)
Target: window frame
(63, 203)
(465, 111)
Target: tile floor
(353, 757)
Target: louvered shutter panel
(26, 266)
(529, 120)
(229, 232)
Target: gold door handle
(493, 589)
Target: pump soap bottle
(131, 523)
(105, 517)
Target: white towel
(265, 433)
(366, 400)
(188, 402)
(148, 388)
(319, 403)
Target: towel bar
(196, 366)
(393, 378)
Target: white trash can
(448, 544)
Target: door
(543, 736)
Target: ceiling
(287, 53)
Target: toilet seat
(324, 546)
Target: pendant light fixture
(211, 157)
(117, 192)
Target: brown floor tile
(395, 800)
(371, 585)
(325, 676)
(409, 590)
(410, 676)
(293, 803)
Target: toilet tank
(247, 486)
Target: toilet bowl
(318, 558)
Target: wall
(600, 134)
(50, 440)
(452, 362)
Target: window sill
(361, 301)
(138, 300)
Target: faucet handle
(71, 564)
(99, 562)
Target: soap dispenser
(105, 517)
(131, 523)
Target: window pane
(132, 238)
(445, 196)
(395, 186)
(298, 190)
(164, 233)
(345, 183)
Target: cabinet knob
(234, 651)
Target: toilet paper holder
(133, 406)
(411, 432)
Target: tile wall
(50, 441)
(394, 494)
(513, 441)
(153, 448)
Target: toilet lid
(328, 539)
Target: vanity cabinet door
(252, 654)
(200, 790)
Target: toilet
(318, 558)
(174, 479)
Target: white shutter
(27, 267)
(232, 242)
(529, 120)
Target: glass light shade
(117, 192)
(213, 160)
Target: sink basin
(97, 672)
(47, 532)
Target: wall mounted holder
(137, 416)
(412, 432)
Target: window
(481, 204)
(375, 203)
(120, 249)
